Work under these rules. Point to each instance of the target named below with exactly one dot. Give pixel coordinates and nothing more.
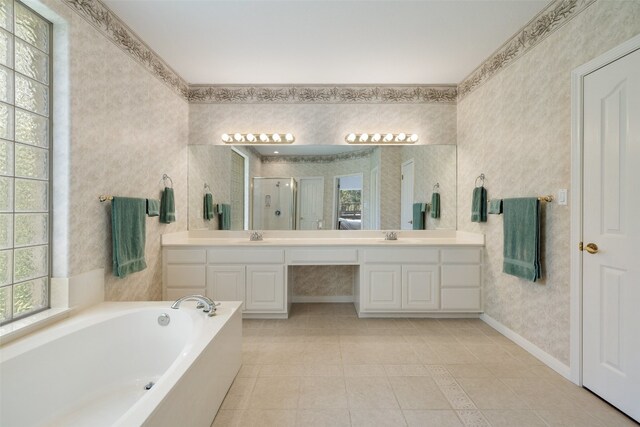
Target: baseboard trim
(533, 349)
(312, 299)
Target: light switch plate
(562, 197)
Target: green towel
(479, 205)
(153, 207)
(128, 235)
(224, 216)
(522, 238)
(435, 205)
(495, 206)
(418, 216)
(208, 206)
(167, 206)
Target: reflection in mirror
(324, 187)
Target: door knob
(410, 222)
(592, 248)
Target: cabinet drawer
(401, 255)
(461, 256)
(460, 276)
(186, 256)
(245, 256)
(323, 256)
(186, 276)
(460, 299)
(174, 294)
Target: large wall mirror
(328, 187)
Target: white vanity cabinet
(184, 272)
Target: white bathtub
(91, 369)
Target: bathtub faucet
(206, 304)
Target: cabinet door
(225, 282)
(381, 290)
(421, 287)
(265, 288)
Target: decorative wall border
(551, 18)
(351, 155)
(322, 94)
(109, 24)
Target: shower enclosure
(273, 204)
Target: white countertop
(322, 238)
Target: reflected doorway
(348, 202)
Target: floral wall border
(327, 158)
(555, 15)
(109, 24)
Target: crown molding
(322, 94)
(352, 155)
(113, 28)
(550, 19)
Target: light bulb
(276, 152)
(351, 137)
(413, 137)
(237, 137)
(276, 137)
(401, 137)
(376, 137)
(251, 137)
(289, 137)
(226, 137)
(264, 137)
(388, 137)
(364, 137)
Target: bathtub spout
(206, 304)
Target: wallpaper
(516, 130)
(322, 280)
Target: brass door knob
(592, 248)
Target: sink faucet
(255, 236)
(391, 235)
(206, 304)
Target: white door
(382, 287)
(406, 196)
(225, 282)
(611, 276)
(311, 203)
(420, 287)
(265, 288)
(375, 199)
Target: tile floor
(325, 367)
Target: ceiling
(325, 41)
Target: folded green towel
(418, 216)
(224, 216)
(208, 206)
(128, 235)
(479, 205)
(167, 206)
(435, 205)
(153, 207)
(495, 206)
(522, 238)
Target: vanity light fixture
(255, 138)
(390, 138)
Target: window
(25, 152)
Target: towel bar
(105, 197)
(548, 198)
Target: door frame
(374, 196)
(412, 162)
(577, 167)
(334, 211)
(299, 180)
(246, 187)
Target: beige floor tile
(377, 418)
(227, 418)
(282, 371)
(512, 418)
(268, 418)
(426, 354)
(469, 371)
(539, 393)
(323, 418)
(321, 370)
(454, 353)
(491, 393)
(370, 392)
(510, 370)
(490, 353)
(249, 371)
(432, 418)
(569, 417)
(418, 393)
(364, 371)
(417, 370)
(275, 393)
(323, 393)
(473, 418)
(239, 393)
(327, 353)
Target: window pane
(31, 196)
(31, 95)
(6, 194)
(29, 296)
(31, 162)
(31, 62)
(31, 229)
(6, 14)
(6, 121)
(6, 48)
(5, 303)
(32, 129)
(5, 267)
(6, 231)
(6, 157)
(29, 263)
(31, 28)
(6, 85)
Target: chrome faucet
(391, 235)
(255, 236)
(204, 303)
